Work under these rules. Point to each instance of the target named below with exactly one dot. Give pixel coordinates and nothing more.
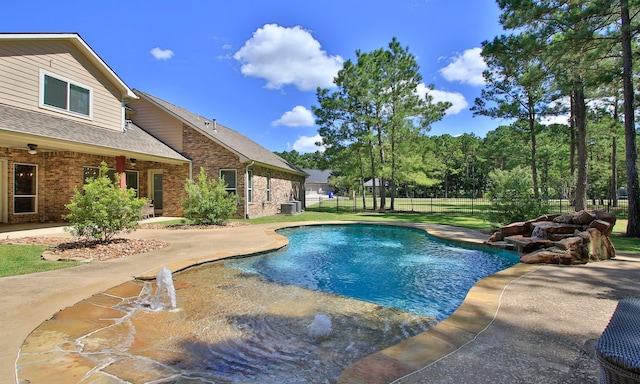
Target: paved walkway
(543, 331)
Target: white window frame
(250, 186)
(229, 188)
(268, 187)
(34, 196)
(111, 174)
(69, 82)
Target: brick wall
(60, 172)
(213, 157)
(284, 187)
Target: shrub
(207, 201)
(512, 195)
(103, 209)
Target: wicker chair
(148, 210)
(618, 348)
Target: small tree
(103, 209)
(512, 194)
(208, 202)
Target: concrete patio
(528, 324)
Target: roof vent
(215, 126)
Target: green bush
(103, 209)
(512, 195)
(207, 201)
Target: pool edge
(474, 315)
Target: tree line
(556, 57)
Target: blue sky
(255, 65)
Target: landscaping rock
(572, 238)
(527, 244)
(513, 229)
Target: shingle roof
(232, 140)
(133, 139)
(317, 176)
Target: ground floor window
(268, 187)
(250, 186)
(25, 188)
(131, 176)
(229, 177)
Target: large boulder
(572, 238)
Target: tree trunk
(572, 138)
(633, 225)
(361, 166)
(382, 163)
(534, 168)
(372, 155)
(581, 127)
(614, 171)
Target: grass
(24, 259)
(623, 243)
(460, 220)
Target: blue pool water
(390, 266)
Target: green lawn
(24, 259)
(623, 243)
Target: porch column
(120, 168)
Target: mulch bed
(64, 248)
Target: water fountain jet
(165, 294)
(320, 328)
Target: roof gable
(83, 47)
(246, 149)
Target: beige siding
(158, 123)
(20, 66)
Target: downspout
(246, 189)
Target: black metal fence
(468, 206)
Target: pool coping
(473, 316)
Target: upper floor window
(229, 177)
(65, 95)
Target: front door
(156, 190)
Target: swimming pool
(392, 266)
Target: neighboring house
(318, 182)
(368, 186)
(258, 176)
(62, 112)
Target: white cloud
(457, 100)
(161, 54)
(548, 120)
(466, 68)
(306, 144)
(227, 46)
(299, 116)
(284, 56)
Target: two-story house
(63, 111)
